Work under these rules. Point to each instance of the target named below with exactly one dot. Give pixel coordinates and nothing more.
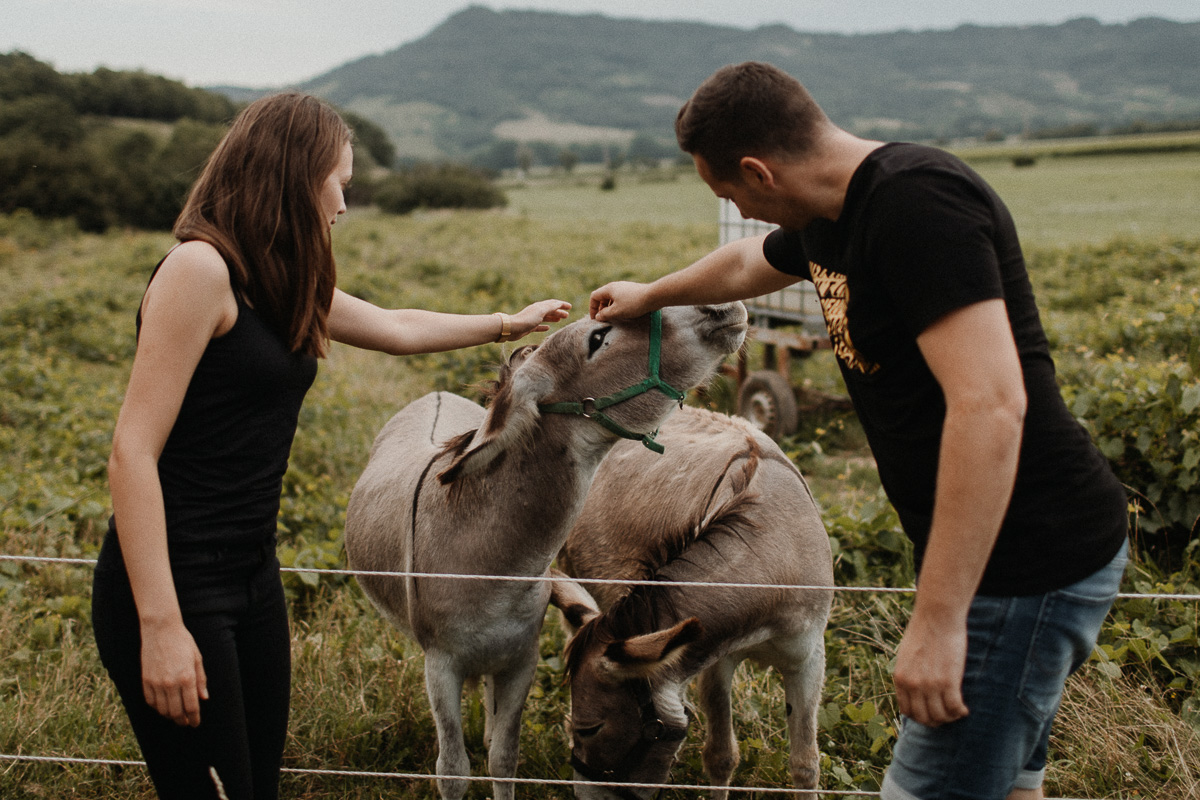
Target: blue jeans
(1020, 651)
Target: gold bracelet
(505, 329)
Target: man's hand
(930, 663)
(620, 300)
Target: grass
(358, 699)
(1060, 201)
(1068, 201)
(669, 196)
(1138, 144)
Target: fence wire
(350, 773)
(347, 774)
(600, 581)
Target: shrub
(102, 176)
(1123, 319)
(438, 186)
(1145, 418)
(370, 137)
(50, 181)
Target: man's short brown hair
(749, 109)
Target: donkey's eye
(597, 339)
(588, 731)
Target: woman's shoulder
(196, 260)
(195, 274)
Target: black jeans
(233, 605)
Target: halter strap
(593, 408)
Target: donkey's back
(644, 511)
(400, 454)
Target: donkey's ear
(578, 607)
(511, 420)
(649, 654)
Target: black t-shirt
(920, 235)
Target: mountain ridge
(484, 76)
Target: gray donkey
(724, 505)
(453, 488)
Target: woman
(188, 606)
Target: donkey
(724, 505)
(453, 488)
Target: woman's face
(333, 198)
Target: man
(1019, 524)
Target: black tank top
(223, 464)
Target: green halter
(593, 409)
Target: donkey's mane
(455, 446)
(489, 390)
(651, 607)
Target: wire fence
(414, 776)
(600, 581)
(361, 774)
(422, 776)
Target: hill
(108, 147)
(484, 76)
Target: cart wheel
(767, 400)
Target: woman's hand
(536, 316)
(173, 678)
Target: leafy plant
(1145, 418)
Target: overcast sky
(271, 43)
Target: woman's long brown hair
(258, 203)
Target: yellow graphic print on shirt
(831, 291)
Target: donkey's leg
(444, 685)
(720, 754)
(489, 702)
(505, 698)
(803, 680)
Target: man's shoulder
(906, 174)
(900, 158)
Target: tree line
(105, 148)
(111, 148)
(642, 150)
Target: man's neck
(827, 175)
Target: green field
(1062, 201)
(1058, 201)
(1122, 309)
(673, 196)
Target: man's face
(754, 198)
(737, 192)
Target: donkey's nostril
(723, 311)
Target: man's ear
(756, 172)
